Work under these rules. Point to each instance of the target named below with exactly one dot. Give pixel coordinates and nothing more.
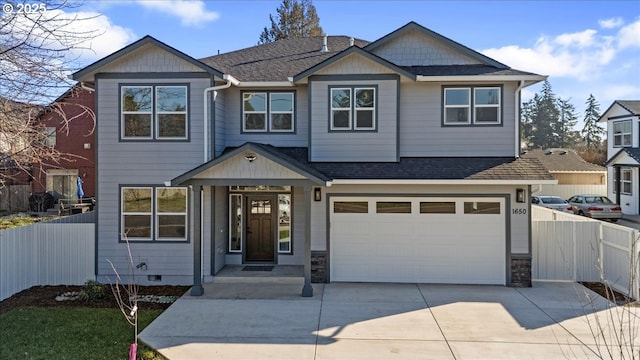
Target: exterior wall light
(317, 194)
(520, 195)
(250, 157)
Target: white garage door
(424, 240)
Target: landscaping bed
(45, 296)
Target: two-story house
(67, 125)
(387, 161)
(623, 154)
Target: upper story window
(472, 106)
(154, 112)
(353, 108)
(49, 136)
(622, 133)
(268, 112)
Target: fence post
(634, 256)
(575, 250)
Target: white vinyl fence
(46, 254)
(572, 247)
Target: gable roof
(563, 160)
(78, 75)
(632, 106)
(482, 59)
(634, 153)
(353, 50)
(279, 60)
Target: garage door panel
(438, 248)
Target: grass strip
(71, 333)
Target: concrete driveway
(551, 320)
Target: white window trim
(158, 113)
(364, 109)
(157, 214)
(622, 134)
(290, 241)
(292, 112)
(123, 113)
(623, 181)
(244, 118)
(123, 235)
(333, 127)
(231, 224)
(468, 107)
(498, 106)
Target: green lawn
(71, 333)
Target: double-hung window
(268, 112)
(472, 106)
(353, 108)
(150, 213)
(622, 133)
(154, 112)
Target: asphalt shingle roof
(279, 60)
(453, 70)
(415, 168)
(562, 160)
(633, 106)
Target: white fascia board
(466, 78)
(440, 182)
(578, 171)
(265, 84)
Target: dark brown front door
(261, 221)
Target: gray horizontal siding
(378, 145)
(233, 121)
(141, 163)
(422, 133)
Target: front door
(261, 221)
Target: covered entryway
(423, 240)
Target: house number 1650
(519, 211)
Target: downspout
(517, 139)
(229, 81)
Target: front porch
(243, 214)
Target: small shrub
(93, 290)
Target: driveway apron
(551, 320)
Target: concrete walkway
(551, 320)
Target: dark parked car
(596, 206)
(552, 202)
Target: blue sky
(586, 47)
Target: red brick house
(68, 125)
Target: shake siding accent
(354, 64)
(144, 163)
(422, 133)
(415, 48)
(233, 121)
(150, 58)
(378, 145)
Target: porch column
(307, 290)
(196, 196)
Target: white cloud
(190, 13)
(109, 37)
(581, 55)
(629, 36)
(611, 23)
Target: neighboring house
(623, 154)
(390, 161)
(15, 154)
(574, 174)
(68, 125)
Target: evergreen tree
(591, 132)
(545, 128)
(295, 18)
(568, 119)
